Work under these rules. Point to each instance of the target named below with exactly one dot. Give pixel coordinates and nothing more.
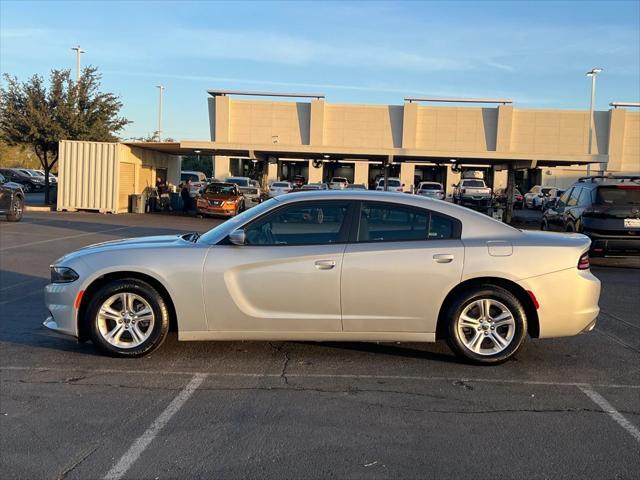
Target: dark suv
(606, 209)
(29, 183)
(11, 200)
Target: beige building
(273, 139)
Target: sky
(535, 53)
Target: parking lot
(567, 407)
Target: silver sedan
(334, 266)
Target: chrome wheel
(125, 320)
(486, 326)
(17, 208)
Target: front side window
(303, 223)
(573, 198)
(396, 223)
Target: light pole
(161, 89)
(78, 51)
(593, 73)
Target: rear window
(618, 195)
(280, 184)
(241, 182)
(473, 183)
(392, 183)
(189, 176)
(430, 186)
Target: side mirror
(238, 237)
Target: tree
(31, 114)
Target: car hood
(126, 243)
(12, 185)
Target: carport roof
(262, 151)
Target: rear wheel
(128, 318)
(16, 210)
(487, 325)
(27, 187)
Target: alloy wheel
(486, 326)
(125, 320)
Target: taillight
(583, 263)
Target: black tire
(491, 292)
(150, 295)
(569, 228)
(16, 210)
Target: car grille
(215, 203)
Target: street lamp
(78, 51)
(161, 89)
(593, 73)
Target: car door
(286, 278)
(555, 214)
(5, 195)
(571, 210)
(401, 265)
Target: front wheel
(128, 318)
(16, 210)
(487, 325)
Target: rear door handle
(443, 257)
(325, 264)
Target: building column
(499, 179)
(221, 167)
(361, 173)
(407, 172)
(453, 178)
(272, 172)
(315, 174)
(173, 170)
(316, 123)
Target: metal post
(78, 51)
(511, 182)
(386, 173)
(593, 74)
(161, 90)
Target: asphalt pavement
(563, 408)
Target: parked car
(338, 183)
(356, 186)
(278, 188)
(431, 189)
(534, 196)
(198, 180)
(309, 187)
(224, 199)
(395, 185)
(27, 182)
(251, 192)
(551, 198)
(606, 209)
(543, 196)
(501, 196)
(471, 191)
(263, 276)
(52, 177)
(11, 200)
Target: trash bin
(136, 203)
(176, 202)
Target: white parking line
(613, 413)
(62, 238)
(142, 442)
(419, 378)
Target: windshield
(235, 222)
(223, 188)
(545, 191)
(2, 180)
(473, 183)
(619, 195)
(241, 182)
(339, 180)
(189, 176)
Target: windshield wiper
(191, 237)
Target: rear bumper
(613, 245)
(568, 301)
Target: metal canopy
(503, 101)
(222, 93)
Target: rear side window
(380, 222)
(618, 195)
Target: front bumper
(222, 212)
(59, 299)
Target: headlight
(37, 180)
(63, 275)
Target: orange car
(224, 199)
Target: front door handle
(325, 264)
(443, 257)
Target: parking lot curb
(34, 208)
